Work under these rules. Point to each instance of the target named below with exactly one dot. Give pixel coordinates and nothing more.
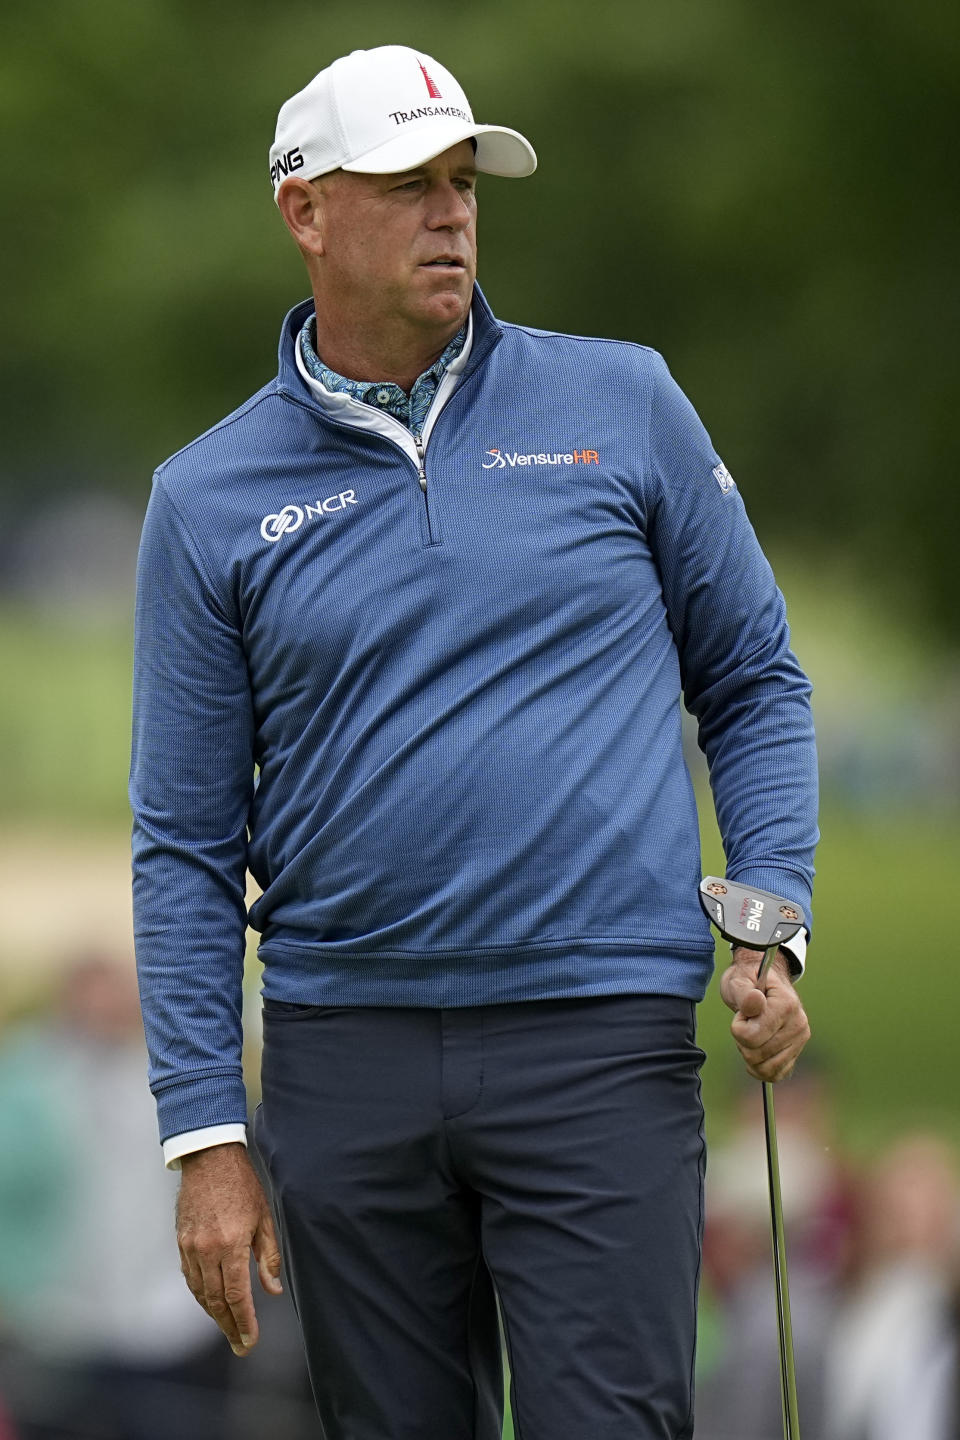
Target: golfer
(413, 628)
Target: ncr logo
(291, 517)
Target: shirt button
(383, 396)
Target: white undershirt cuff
(191, 1140)
(797, 949)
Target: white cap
(384, 111)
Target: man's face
(404, 246)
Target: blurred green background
(761, 193)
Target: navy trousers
(428, 1164)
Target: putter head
(747, 916)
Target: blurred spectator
(892, 1372)
(738, 1390)
(101, 1337)
(72, 554)
(7, 1431)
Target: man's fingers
(216, 1304)
(239, 1297)
(756, 1023)
(777, 1067)
(753, 1004)
(773, 1058)
(769, 1030)
(737, 987)
(222, 1285)
(771, 1033)
(190, 1269)
(220, 1215)
(770, 1025)
(744, 993)
(267, 1253)
(206, 1285)
(775, 1028)
(772, 1055)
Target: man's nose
(449, 209)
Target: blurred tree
(762, 193)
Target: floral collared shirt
(410, 410)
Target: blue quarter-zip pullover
(439, 721)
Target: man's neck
(394, 352)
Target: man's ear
(300, 202)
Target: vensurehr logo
(502, 458)
(291, 517)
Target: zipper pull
(421, 460)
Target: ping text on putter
(745, 915)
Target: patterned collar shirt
(411, 410)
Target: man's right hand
(223, 1214)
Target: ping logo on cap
(284, 165)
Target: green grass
(64, 719)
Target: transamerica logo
(291, 517)
(403, 117)
(431, 84)
(502, 458)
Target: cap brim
(499, 151)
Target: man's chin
(447, 306)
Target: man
(439, 584)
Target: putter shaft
(760, 920)
(788, 1374)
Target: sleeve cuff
(191, 1140)
(797, 950)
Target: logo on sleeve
(723, 478)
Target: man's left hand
(770, 1025)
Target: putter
(762, 921)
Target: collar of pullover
(294, 380)
(410, 409)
